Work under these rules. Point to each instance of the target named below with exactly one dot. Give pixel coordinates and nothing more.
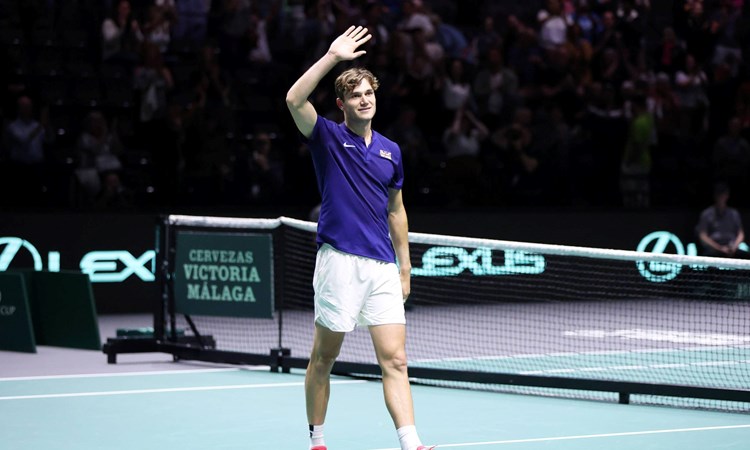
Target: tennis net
(577, 322)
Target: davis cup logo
(6, 310)
(660, 242)
(10, 248)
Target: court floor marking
(584, 353)
(127, 374)
(586, 436)
(636, 367)
(165, 390)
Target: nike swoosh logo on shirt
(348, 145)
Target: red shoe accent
(424, 447)
(319, 447)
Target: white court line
(125, 374)
(585, 436)
(163, 390)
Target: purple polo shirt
(354, 181)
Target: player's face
(360, 103)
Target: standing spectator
(495, 87)
(691, 84)
(589, 22)
(121, 35)
(635, 182)
(158, 26)
(25, 135)
(462, 141)
(98, 153)
(24, 143)
(153, 80)
(731, 157)
(553, 25)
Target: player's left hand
(405, 284)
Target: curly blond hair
(350, 79)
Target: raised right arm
(342, 49)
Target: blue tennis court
(156, 404)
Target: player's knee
(323, 359)
(394, 363)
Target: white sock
(408, 437)
(316, 435)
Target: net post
(277, 359)
(162, 269)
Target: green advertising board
(224, 274)
(16, 330)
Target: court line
(123, 374)
(165, 390)
(586, 436)
(636, 367)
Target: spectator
(589, 22)
(25, 136)
(691, 84)
(495, 87)
(153, 80)
(731, 157)
(635, 175)
(414, 18)
(121, 35)
(462, 141)
(98, 153)
(113, 195)
(24, 143)
(158, 26)
(720, 227)
(553, 25)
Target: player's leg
(326, 347)
(389, 342)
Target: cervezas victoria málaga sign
(224, 274)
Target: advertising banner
(224, 274)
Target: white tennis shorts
(353, 290)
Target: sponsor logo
(101, 266)
(666, 242)
(6, 310)
(347, 145)
(452, 261)
(385, 154)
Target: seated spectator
(121, 35)
(720, 227)
(113, 195)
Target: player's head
(355, 93)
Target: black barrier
(118, 250)
(16, 330)
(64, 310)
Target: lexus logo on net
(110, 266)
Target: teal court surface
(191, 406)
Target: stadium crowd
(132, 104)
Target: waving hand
(344, 48)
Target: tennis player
(362, 230)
